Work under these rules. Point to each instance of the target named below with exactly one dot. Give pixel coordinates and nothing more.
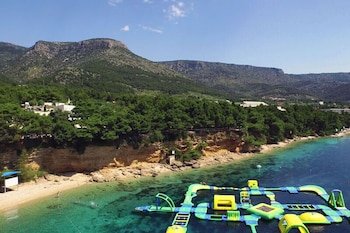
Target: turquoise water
(109, 207)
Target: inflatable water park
(251, 204)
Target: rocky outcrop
(101, 43)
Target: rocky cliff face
(94, 158)
(54, 160)
(212, 72)
(52, 49)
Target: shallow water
(109, 207)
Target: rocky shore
(143, 169)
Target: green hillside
(100, 64)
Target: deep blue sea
(324, 162)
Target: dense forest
(141, 119)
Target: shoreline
(53, 185)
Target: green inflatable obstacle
(226, 206)
(336, 199)
(266, 211)
(291, 221)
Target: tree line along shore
(142, 119)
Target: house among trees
(46, 108)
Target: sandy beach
(31, 191)
(52, 185)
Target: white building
(252, 104)
(281, 109)
(48, 107)
(65, 107)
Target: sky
(299, 36)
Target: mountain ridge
(102, 63)
(248, 81)
(109, 64)
(46, 52)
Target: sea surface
(109, 207)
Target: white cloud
(114, 2)
(155, 30)
(147, 1)
(176, 10)
(126, 28)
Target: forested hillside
(142, 119)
